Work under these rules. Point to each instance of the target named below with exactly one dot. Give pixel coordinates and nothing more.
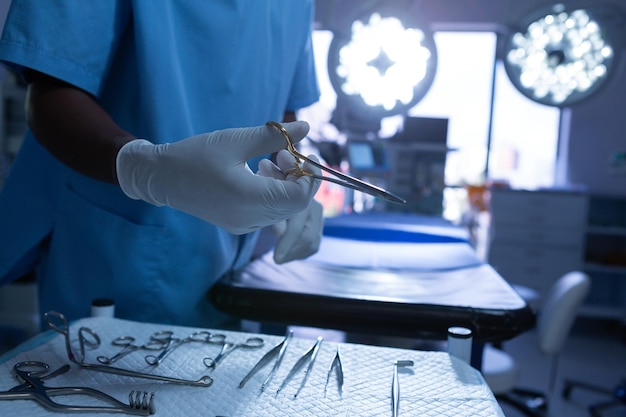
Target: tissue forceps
(309, 357)
(228, 347)
(33, 373)
(128, 347)
(395, 385)
(342, 179)
(277, 351)
(85, 333)
(338, 367)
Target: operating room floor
(595, 353)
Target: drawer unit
(536, 236)
(533, 266)
(548, 236)
(539, 209)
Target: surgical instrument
(63, 328)
(128, 347)
(338, 367)
(172, 343)
(342, 179)
(277, 351)
(309, 356)
(33, 373)
(395, 385)
(228, 347)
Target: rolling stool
(618, 395)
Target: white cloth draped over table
(437, 384)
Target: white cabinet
(536, 236)
(605, 257)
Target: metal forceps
(342, 179)
(84, 333)
(228, 347)
(277, 351)
(338, 368)
(128, 347)
(33, 373)
(172, 343)
(309, 357)
(395, 386)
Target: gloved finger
(302, 236)
(264, 140)
(314, 170)
(307, 166)
(268, 169)
(286, 197)
(286, 162)
(279, 228)
(281, 199)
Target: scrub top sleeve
(304, 89)
(73, 40)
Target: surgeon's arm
(205, 175)
(73, 127)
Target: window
(524, 138)
(461, 92)
(503, 136)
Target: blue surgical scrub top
(164, 70)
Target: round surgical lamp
(382, 66)
(561, 56)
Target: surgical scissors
(342, 179)
(85, 332)
(228, 347)
(128, 347)
(172, 343)
(33, 373)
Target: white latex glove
(207, 176)
(300, 235)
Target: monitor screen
(367, 156)
(425, 129)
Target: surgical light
(559, 58)
(382, 64)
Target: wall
(597, 125)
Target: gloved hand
(300, 235)
(207, 176)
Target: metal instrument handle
(279, 359)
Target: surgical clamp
(128, 347)
(172, 343)
(278, 351)
(342, 179)
(228, 347)
(338, 367)
(309, 356)
(33, 373)
(63, 328)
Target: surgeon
(137, 178)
